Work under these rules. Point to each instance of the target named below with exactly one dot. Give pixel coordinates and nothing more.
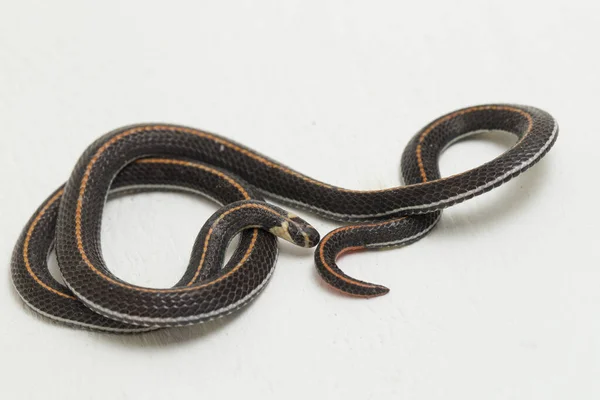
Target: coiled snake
(160, 156)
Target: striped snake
(170, 157)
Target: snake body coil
(158, 156)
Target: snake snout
(303, 234)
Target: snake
(168, 157)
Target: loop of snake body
(170, 157)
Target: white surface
(501, 301)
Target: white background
(501, 301)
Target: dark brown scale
(426, 193)
(533, 135)
(159, 174)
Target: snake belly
(387, 217)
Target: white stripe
(407, 239)
(342, 216)
(170, 188)
(84, 325)
(173, 188)
(175, 320)
(232, 307)
(205, 317)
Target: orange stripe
(210, 231)
(335, 273)
(462, 112)
(199, 166)
(350, 249)
(188, 288)
(141, 161)
(205, 168)
(28, 239)
(252, 155)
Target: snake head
(303, 233)
(297, 231)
